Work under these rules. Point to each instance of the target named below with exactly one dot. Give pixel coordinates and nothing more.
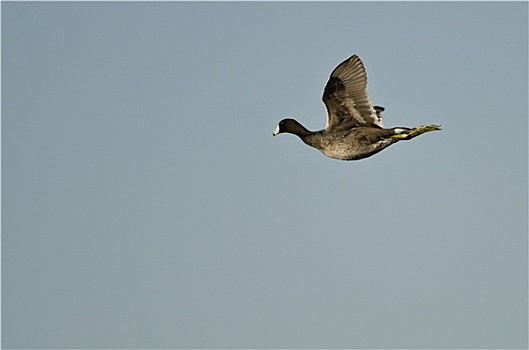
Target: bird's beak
(276, 131)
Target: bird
(354, 128)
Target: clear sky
(146, 204)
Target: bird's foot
(416, 132)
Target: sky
(145, 203)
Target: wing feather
(346, 99)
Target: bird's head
(290, 126)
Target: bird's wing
(346, 99)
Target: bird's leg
(408, 135)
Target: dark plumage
(354, 127)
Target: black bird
(354, 127)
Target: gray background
(146, 205)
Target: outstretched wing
(346, 99)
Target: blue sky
(146, 204)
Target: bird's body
(355, 143)
(354, 127)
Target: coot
(354, 127)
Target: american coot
(354, 127)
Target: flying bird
(354, 128)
